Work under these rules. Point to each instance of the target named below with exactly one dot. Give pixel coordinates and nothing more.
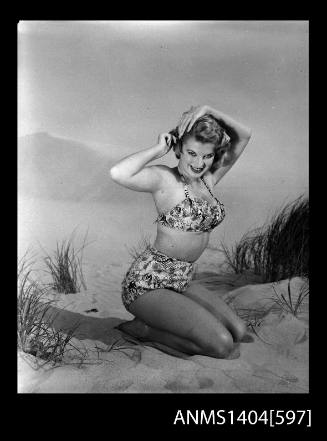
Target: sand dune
(275, 361)
(61, 169)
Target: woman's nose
(199, 163)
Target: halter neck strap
(187, 195)
(202, 179)
(186, 186)
(186, 191)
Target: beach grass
(65, 266)
(36, 332)
(279, 249)
(252, 317)
(141, 246)
(286, 303)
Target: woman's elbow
(246, 136)
(248, 133)
(115, 174)
(119, 177)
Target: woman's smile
(197, 169)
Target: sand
(276, 361)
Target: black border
(155, 413)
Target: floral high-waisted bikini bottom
(152, 270)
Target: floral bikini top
(193, 214)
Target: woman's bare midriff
(183, 245)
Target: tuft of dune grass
(36, 333)
(65, 267)
(279, 249)
(286, 302)
(141, 246)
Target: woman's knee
(223, 346)
(218, 344)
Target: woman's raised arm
(132, 172)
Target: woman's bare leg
(166, 341)
(144, 332)
(182, 324)
(213, 303)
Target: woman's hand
(165, 141)
(189, 118)
(235, 130)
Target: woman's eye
(191, 153)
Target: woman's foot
(235, 352)
(136, 328)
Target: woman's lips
(196, 170)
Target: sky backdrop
(116, 85)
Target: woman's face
(196, 158)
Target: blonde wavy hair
(206, 129)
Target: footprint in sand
(175, 386)
(290, 378)
(302, 339)
(180, 385)
(205, 382)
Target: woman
(156, 289)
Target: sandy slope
(276, 360)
